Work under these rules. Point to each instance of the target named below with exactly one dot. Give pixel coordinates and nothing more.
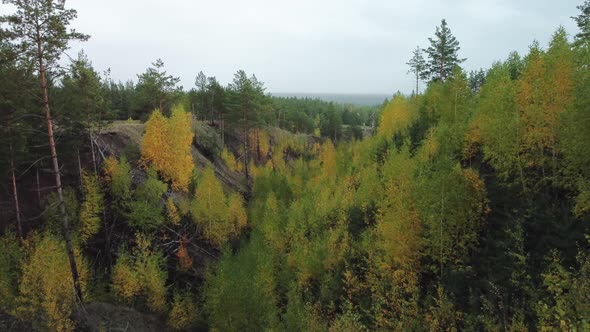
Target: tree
(154, 88)
(442, 53)
(476, 79)
(167, 146)
(11, 256)
(396, 117)
(83, 109)
(183, 314)
(146, 208)
(141, 275)
(201, 94)
(418, 66)
(39, 28)
(180, 140)
(331, 124)
(246, 94)
(219, 217)
(583, 22)
(91, 208)
(46, 298)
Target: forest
(146, 206)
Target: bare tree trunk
(60, 196)
(19, 228)
(91, 148)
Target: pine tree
(155, 88)
(418, 67)
(583, 22)
(442, 53)
(39, 28)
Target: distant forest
(143, 206)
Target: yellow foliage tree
(172, 211)
(396, 117)
(155, 144)
(46, 287)
(237, 212)
(545, 92)
(328, 159)
(183, 313)
(141, 275)
(167, 145)
(181, 138)
(398, 245)
(229, 159)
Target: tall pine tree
(39, 29)
(443, 53)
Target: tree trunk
(246, 145)
(19, 228)
(92, 148)
(222, 131)
(257, 144)
(38, 188)
(80, 169)
(60, 196)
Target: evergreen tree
(476, 79)
(39, 29)
(155, 88)
(418, 67)
(583, 22)
(442, 53)
(83, 109)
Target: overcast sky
(315, 46)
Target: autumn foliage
(167, 146)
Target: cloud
(347, 46)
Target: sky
(306, 46)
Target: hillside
(146, 206)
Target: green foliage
(11, 256)
(155, 90)
(240, 294)
(219, 217)
(117, 175)
(92, 207)
(443, 53)
(146, 209)
(567, 305)
(53, 219)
